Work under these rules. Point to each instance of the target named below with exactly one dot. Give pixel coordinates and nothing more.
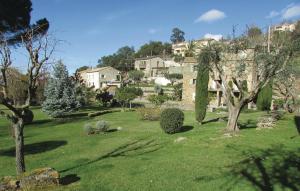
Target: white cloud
(291, 12)
(210, 16)
(272, 14)
(152, 31)
(213, 36)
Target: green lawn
(141, 157)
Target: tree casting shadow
(185, 128)
(135, 148)
(276, 168)
(69, 179)
(247, 125)
(297, 123)
(267, 169)
(35, 148)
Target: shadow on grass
(111, 130)
(276, 168)
(56, 121)
(248, 125)
(215, 120)
(297, 123)
(135, 148)
(69, 179)
(267, 169)
(35, 148)
(185, 128)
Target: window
(118, 78)
(194, 81)
(102, 76)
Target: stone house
(101, 77)
(215, 90)
(189, 85)
(154, 66)
(285, 27)
(182, 47)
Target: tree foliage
(136, 75)
(14, 15)
(158, 100)
(177, 36)
(60, 93)
(154, 48)
(201, 97)
(240, 56)
(122, 60)
(264, 98)
(126, 94)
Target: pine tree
(264, 98)
(60, 93)
(201, 97)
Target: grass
(142, 157)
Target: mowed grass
(142, 157)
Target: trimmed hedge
(171, 120)
(151, 114)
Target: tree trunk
(234, 112)
(19, 141)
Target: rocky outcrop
(37, 179)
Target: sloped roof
(148, 58)
(98, 69)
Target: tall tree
(60, 93)
(264, 98)
(40, 47)
(14, 15)
(201, 97)
(14, 20)
(177, 36)
(240, 57)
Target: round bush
(28, 116)
(101, 126)
(171, 120)
(88, 129)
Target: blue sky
(94, 28)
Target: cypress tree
(201, 97)
(264, 98)
(60, 93)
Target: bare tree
(5, 64)
(284, 86)
(244, 70)
(17, 115)
(40, 49)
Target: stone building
(215, 90)
(155, 66)
(189, 85)
(101, 77)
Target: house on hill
(154, 66)
(101, 77)
(215, 89)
